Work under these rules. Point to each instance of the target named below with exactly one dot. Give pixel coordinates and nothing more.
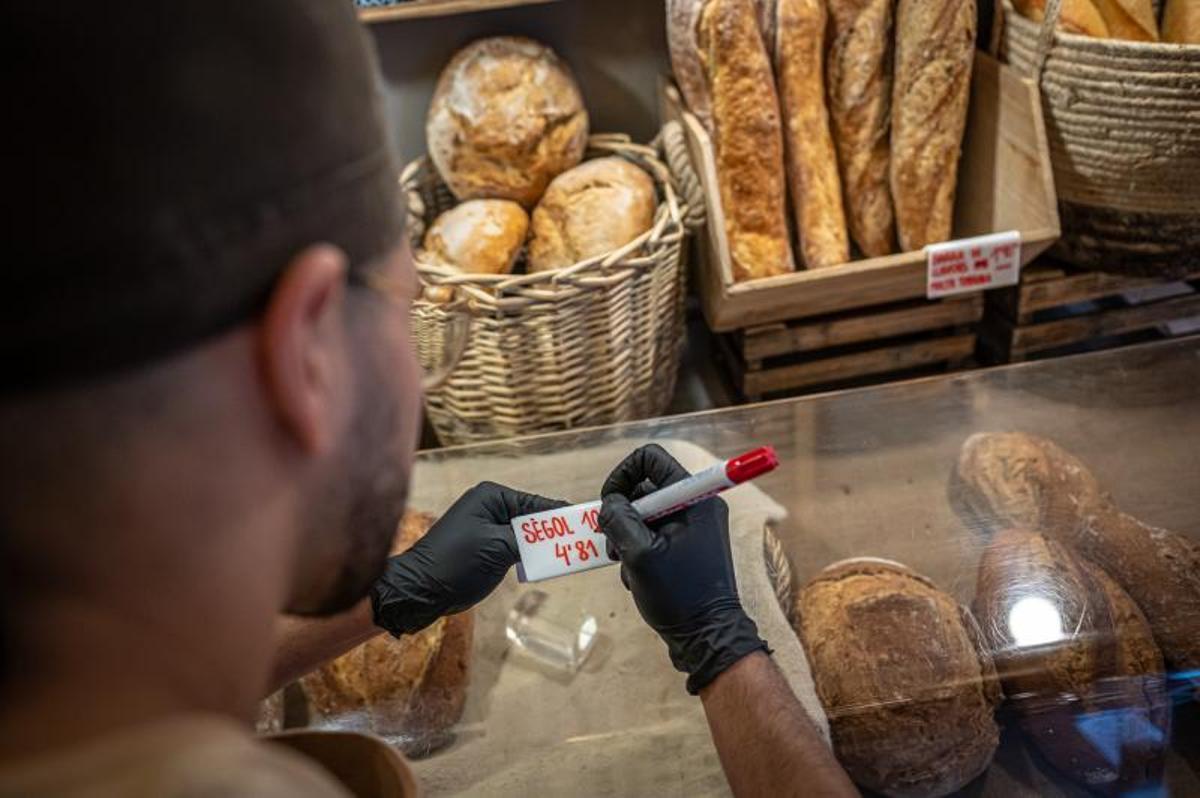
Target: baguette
(767, 11)
(1069, 644)
(1181, 22)
(859, 84)
(1077, 16)
(687, 61)
(1132, 20)
(748, 139)
(811, 160)
(1013, 479)
(935, 48)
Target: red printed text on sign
(973, 264)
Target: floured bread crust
(597, 207)
(506, 118)
(481, 236)
(1069, 644)
(900, 670)
(1012, 479)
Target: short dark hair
(180, 154)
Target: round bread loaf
(411, 690)
(597, 207)
(478, 236)
(899, 668)
(1077, 660)
(506, 117)
(1012, 479)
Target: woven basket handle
(1045, 39)
(674, 148)
(779, 572)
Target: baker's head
(193, 323)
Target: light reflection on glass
(1035, 621)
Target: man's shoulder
(181, 758)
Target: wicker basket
(594, 343)
(1123, 119)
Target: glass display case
(1062, 625)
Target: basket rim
(496, 291)
(1080, 41)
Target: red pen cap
(751, 464)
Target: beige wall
(617, 49)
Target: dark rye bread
(1077, 660)
(1012, 479)
(411, 690)
(899, 668)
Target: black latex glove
(679, 569)
(462, 559)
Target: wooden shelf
(416, 9)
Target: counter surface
(864, 473)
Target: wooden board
(1046, 287)
(1063, 332)
(1005, 183)
(1056, 307)
(882, 360)
(436, 8)
(758, 343)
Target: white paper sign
(972, 264)
(557, 542)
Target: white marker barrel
(684, 493)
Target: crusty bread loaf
(935, 50)
(1013, 479)
(411, 690)
(767, 15)
(1070, 645)
(506, 117)
(1132, 20)
(687, 60)
(748, 139)
(593, 209)
(438, 294)
(859, 86)
(900, 670)
(1077, 16)
(816, 189)
(478, 236)
(1181, 22)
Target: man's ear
(302, 346)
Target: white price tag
(562, 541)
(972, 264)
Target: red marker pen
(567, 540)
(709, 482)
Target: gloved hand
(679, 569)
(459, 561)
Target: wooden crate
(1056, 308)
(1005, 183)
(828, 351)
